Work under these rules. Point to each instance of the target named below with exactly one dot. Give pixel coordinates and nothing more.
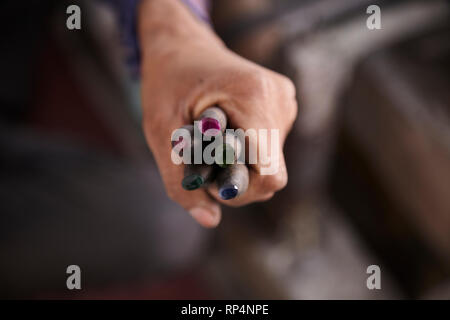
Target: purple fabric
(200, 8)
(126, 11)
(127, 15)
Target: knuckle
(172, 194)
(257, 83)
(275, 182)
(293, 111)
(289, 86)
(290, 91)
(266, 196)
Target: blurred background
(368, 160)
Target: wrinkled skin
(185, 69)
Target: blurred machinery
(395, 132)
(368, 160)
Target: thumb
(202, 207)
(205, 211)
(198, 203)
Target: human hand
(186, 69)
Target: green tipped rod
(212, 121)
(232, 181)
(229, 152)
(196, 176)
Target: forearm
(162, 23)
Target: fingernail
(205, 217)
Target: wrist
(165, 24)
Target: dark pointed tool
(232, 181)
(229, 152)
(196, 176)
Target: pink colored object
(210, 127)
